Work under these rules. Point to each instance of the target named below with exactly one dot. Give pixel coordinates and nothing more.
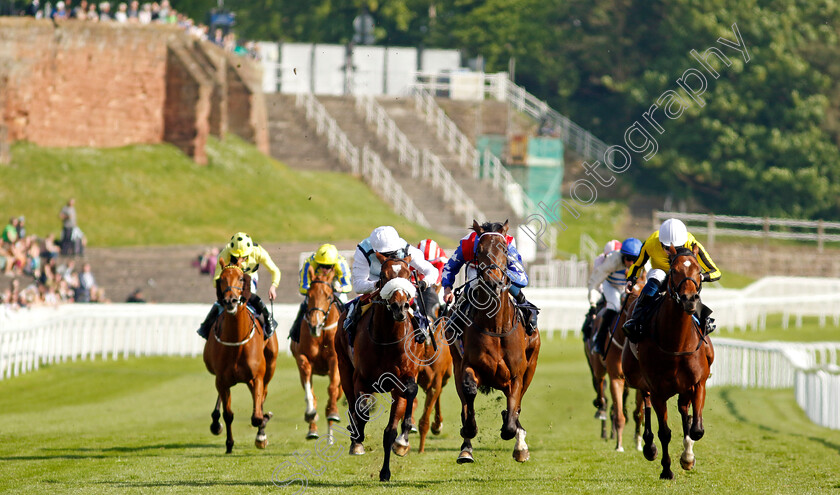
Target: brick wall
(110, 84)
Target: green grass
(141, 426)
(602, 221)
(154, 195)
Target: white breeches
(613, 296)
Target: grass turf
(144, 195)
(141, 426)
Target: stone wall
(110, 84)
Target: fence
(754, 227)
(368, 165)
(813, 370)
(423, 164)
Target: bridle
(241, 289)
(482, 268)
(307, 317)
(674, 291)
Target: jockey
(366, 270)
(253, 255)
(326, 256)
(586, 329)
(610, 277)
(655, 248)
(515, 271)
(434, 255)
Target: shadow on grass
(141, 450)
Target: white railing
(423, 164)
(559, 273)
(366, 164)
(40, 336)
(813, 370)
(500, 87)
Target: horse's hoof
(310, 417)
(384, 475)
(667, 474)
(619, 449)
(436, 429)
(413, 428)
(313, 435)
(335, 418)
(267, 416)
(688, 465)
(216, 428)
(400, 450)
(521, 455)
(465, 457)
(601, 415)
(649, 452)
(261, 441)
(357, 449)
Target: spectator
(21, 227)
(60, 11)
(136, 297)
(10, 231)
(155, 12)
(122, 13)
(49, 250)
(219, 37)
(105, 12)
(145, 15)
(87, 285)
(68, 219)
(34, 9)
(80, 11)
(92, 15)
(133, 12)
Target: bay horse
(673, 359)
(496, 353)
(236, 352)
(315, 353)
(382, 360)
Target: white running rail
(423, 164)
(367, 164)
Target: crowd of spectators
(206, 261)
(134, 13)
(40, 275)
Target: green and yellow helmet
(326, 255)
(241, 245)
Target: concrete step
(292, 141)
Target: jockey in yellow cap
(326, 256)
(252, 255)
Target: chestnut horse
(315, 353)
(434, 373)
(236, 352)
(383, 359)
(497, 353)
(673, 359)
(598, 373)
(611, 365)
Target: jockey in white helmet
(672, 232)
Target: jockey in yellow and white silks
(252, 256)
(326, 256)
(366, 269)
(671, 232)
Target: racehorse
(434, 373)
(598, 372)
(237, 353)
(673, 359)
(315, 353)
(384, 358)
(496, 353)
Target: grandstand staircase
(292, 141)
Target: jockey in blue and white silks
(464, 254)
(366, 270)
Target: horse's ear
(246, 290)
(696, 250)
(672, 250)
(407, 258)
(222, 263)
(381, 257)
(476, 227)
(505, 227)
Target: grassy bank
(155, 195)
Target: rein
(674, 293)
(241, 342)
(481, 269)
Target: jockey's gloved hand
(594, 297)
(422, 285)
(630, 283)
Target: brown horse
(600, 367)
(237, 353)
(315, 353)
(674, 359)
(497, 353)
(434, 373)
(382, 360)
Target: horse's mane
(492, 227)
(396, 284)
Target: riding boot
(204, 329)
(586, 329)
(294, 332)
(270, 323)
(707, 324)
(634, 327)
(529, 311)
(421, 327)
(600, 337)
(350, 319)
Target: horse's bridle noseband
(482, 268)
(674, 292)
(326, 313)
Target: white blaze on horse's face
(686, 263)
(396, 269)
